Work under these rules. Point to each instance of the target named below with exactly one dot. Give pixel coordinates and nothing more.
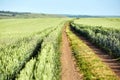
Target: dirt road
(69, 69)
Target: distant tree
(14, 14)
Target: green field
(29, 41)
(90, 65)
(103, 32)
(30, 48)
(104, 22)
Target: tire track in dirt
(114, 64)
(68, 64)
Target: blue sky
(83, 7)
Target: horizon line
(56, 13)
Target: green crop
(20, 42)
(102, 32)
(88, 62)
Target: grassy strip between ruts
(88, 62)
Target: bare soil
(68, 64)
